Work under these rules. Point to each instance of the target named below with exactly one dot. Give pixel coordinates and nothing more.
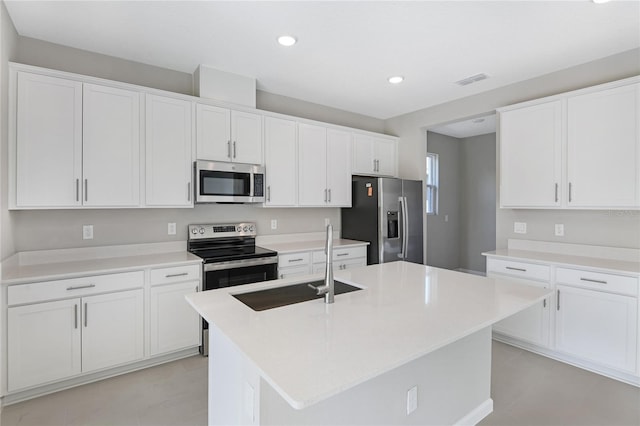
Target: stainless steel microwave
(220, 182)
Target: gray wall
(8, 45)
(52, 229)
(620, 229)
(443, 248)
(477, 200)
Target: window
(432, 184)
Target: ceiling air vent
(472, 79)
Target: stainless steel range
(230, 257)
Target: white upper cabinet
(49, 141)
(530, 156)
(603, 148)
(312, 165)
(111, 147)
(169, 158)
(374, 155)
(339, 167)
(576, 150)
(280, 162)
(226, 135)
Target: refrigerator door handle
(405, 227)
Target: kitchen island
(356, 361)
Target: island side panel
(453, 382)
(234, 384)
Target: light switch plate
(274, 223)
(412, 400)
(87, 232)
(559, 229)
(520, 227)
(327, 221)
(171, 228)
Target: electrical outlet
(446, 218)
(327, 221)
(412, 400)
(559, 230)
(520, 227)
(171, 228)
(274, 223)
(87, 232)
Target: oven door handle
(233, 264)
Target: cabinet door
(386, 156)
(173, 324)
(112, 329)
(168, 152)
(596, 326)
(43, 343)
(49, 141)
(603, 145)
(530, 156)
(281, 161)
(312, 165)
(339, 168)
(213, 133)
(363, 154)
(293, 271)
(246, 132)
(532, 324)
(111, 147)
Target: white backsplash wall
(55, 229)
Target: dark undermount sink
(270, 298)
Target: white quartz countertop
(311, 351)
(295, 246)
(15, 273)
(609, 265)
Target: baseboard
(476, 415)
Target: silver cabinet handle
(295, 260)
(374, 165)
(329, 195)
(188, 191)
(75, 315)
(515, 269)
(196, 289)
(342, 254)
(269, 193)
(86, 190)
(181, 274)
(544, 303)
(234, 149)
(569, 191)
(325, 195)
(593, 281)
(556, 192)
(281, 276)
(86, 311)
(78, 287)
(77, 189)
(229, 149)
(558, 301)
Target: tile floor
(527, 389)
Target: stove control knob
(245, 229)
(252, 228)
(194, 231)
(239, 229)
(201, 230)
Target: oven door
(237, 272)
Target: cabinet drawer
(340, 254)
(293, 259)
(598, 281)
(75, 287)
(293, 271)
(175, 274)
(525, 270)
(340, 265)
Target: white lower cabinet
(597, 326)
(54, 340)
(43, 343)
(174, 325)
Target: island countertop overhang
(311, 351)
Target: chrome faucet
(328, 288)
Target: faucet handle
(319, 290)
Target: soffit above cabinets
(346, 51)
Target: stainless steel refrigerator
(388, 213)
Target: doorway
(462, 224)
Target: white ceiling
(468, 128)
(346, 50)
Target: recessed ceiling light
(478, 120)
(396, 79)
(600, 1)
(287, 40)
